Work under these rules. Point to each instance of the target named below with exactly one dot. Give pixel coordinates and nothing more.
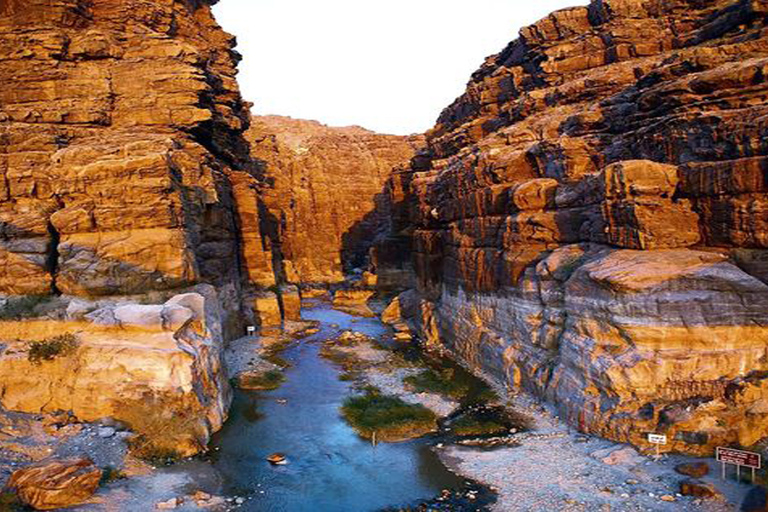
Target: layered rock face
(125, 173)
(324, 192)
(127, 361)
(589, 220)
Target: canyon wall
(589, 220)
(125, 178)
(324, 192)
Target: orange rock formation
(325, 192)
(589, 220)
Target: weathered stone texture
(589, 219)
(56, 484)
(324, 192)
(121, 134)
(124, 177)
(130, 360)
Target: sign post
(658, 440)
(738, 458)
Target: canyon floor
(548, 467)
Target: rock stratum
(589, 220)
(126, 181)
(325, 191)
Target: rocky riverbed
(532, 462)
(550, 466)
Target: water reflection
(330, 468)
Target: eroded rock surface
(589, 220)
(125, 180)
(131, 362)
(325, 192)
(56, 484)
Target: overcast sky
(388, 66)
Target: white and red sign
(738, 457)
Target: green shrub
(51, 348)
(18, 308)
(472, 426)
(387, 417)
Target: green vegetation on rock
(51, 348)
(18, 308)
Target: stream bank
(538, 465)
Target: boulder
(698, 489)
(54, 484)
(693, 469)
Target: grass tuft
(442, 382)
(266, 381)
(388, 417)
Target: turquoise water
(330, 468)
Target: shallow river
(330, 468)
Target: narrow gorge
(585, 229)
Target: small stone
(277, 458)
(168, 505)
(632, 481)
(105, 432)
(667, 497)
(201, 496)
(240, 501)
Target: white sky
(388, 66)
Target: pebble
(168, 505)
(667, 497)
(105, 432)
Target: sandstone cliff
(124, 178)
(589, 221)
(324, 192)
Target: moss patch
(442, 382)
(388, 417)
(488, 421)
(261, 381)
(17, 308)
(471, 426)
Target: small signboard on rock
(658, 440)
(738, 458)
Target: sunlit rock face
(590, 220)
(131, 362)
(123, 160)
(124, 172)
(325, 192)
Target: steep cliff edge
(324, 192)
(124, 178)
(589, 221)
